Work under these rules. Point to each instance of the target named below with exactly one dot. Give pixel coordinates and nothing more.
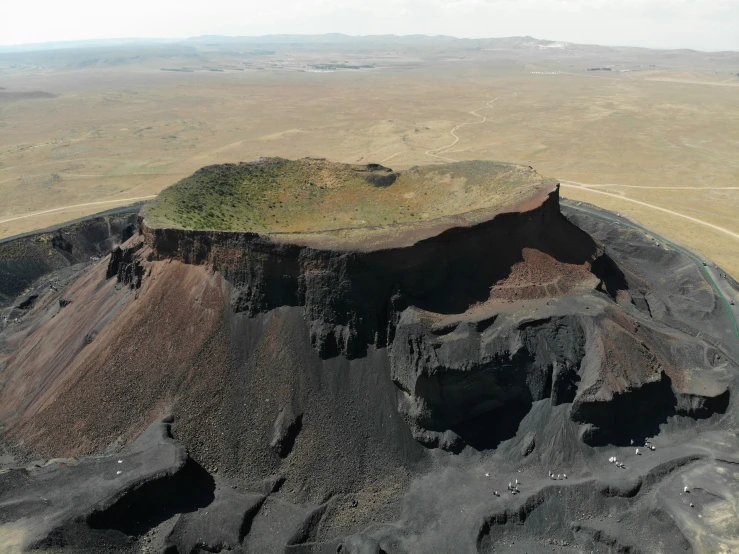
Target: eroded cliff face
(467, 357)
(468, 328)
(468, 381)
(25, 259)
(352, 298)
(309, 387)
(471, 378)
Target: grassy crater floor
(275, 195)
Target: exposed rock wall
(457, 374)
(465, 330)
(25, 259)
(636, 375)
(464, 378)
(126, 266)
(350, 297)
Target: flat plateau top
(328, 204)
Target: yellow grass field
(655, 139)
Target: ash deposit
(310, 357)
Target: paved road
(715, 276)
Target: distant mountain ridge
(514, 42)
(272, 39)
(91, 43)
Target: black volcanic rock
(222, 526)
(25, 259)
(81, 503)
(458, 378)
(345, 292)
(378, 389)
(125, 265)
(286, 429)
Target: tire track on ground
(433, 152)
(601, 185)
(665, 210)
(34, 214)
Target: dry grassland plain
(656, 138)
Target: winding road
(434, 151)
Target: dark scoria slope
(25, 259)
(372, 395)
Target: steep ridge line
(456, 137)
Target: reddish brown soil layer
(287, 359)
(147, 350)
(336, 377)
(540, 275)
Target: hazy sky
(700, 24)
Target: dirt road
(121, 201)
(724, 288)
(583, 186)
(456, 137)
(601, 185)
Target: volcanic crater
(272, 196)
(337, 358)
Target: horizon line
(71, 43)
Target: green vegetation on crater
(310, 195)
